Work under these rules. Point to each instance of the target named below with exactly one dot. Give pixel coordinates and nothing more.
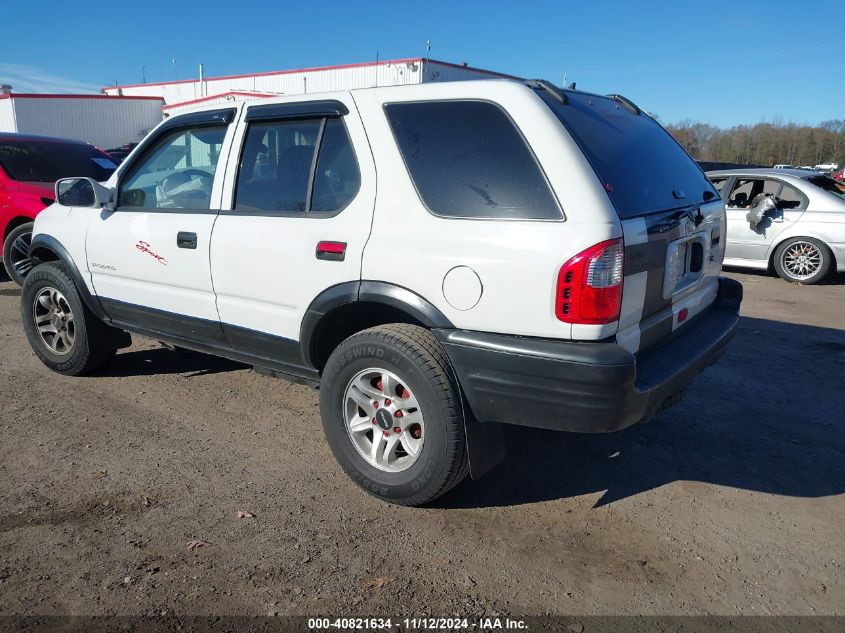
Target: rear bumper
(586, 387)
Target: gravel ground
(730, 503)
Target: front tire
(61, 330)
(803, 260)
(16, 258)
(392, 414)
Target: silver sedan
(791, 219)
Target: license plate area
(684, 264)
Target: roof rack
(550, 88)
(629, 105)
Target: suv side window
(296, 167)
(337, 178)
(467, 159)
(177, 172)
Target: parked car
(480, 282)
(29, 168)
(118, 154)
(801, 233)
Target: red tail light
(589, 286)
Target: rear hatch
(673, 220)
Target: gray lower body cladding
(586, 387)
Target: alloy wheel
(54, 321)
(21, 262)
(801, 260)
(384, 420)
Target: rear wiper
(551, 89)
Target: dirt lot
(732, 502)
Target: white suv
(438, 259)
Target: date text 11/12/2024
(417, 624)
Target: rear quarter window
(467, 159)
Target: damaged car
(792, 220)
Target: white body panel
(179, 283)
(133, 256)
(258, 271)
(265, 268)
(516, 260)
(69, 226)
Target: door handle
(332, 251)
(186, 240)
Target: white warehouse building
(184, 94)
(104, 121)
(124, 114)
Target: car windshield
(641, 166)
(48, 161)
(829, 184)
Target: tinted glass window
(49, 161)
(640, 165)
(337, 179)
(276, 166)
(177, 173)
(467, 159)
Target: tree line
(765, 143)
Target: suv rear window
(641, 166)
(468, 160)
(49, 161)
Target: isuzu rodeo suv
(439, 259)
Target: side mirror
(83, 192)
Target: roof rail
(629, 105)
(550, 88)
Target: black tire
(16, 252)
(412, 353)
(94, 343)
(824, 267)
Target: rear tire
(16, 259)
(61, 330)
(803, 260)
(392, 385)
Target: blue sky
(723, 63)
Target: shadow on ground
(833, 279)
(162, 360)
(13, 290)
(768, 417)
